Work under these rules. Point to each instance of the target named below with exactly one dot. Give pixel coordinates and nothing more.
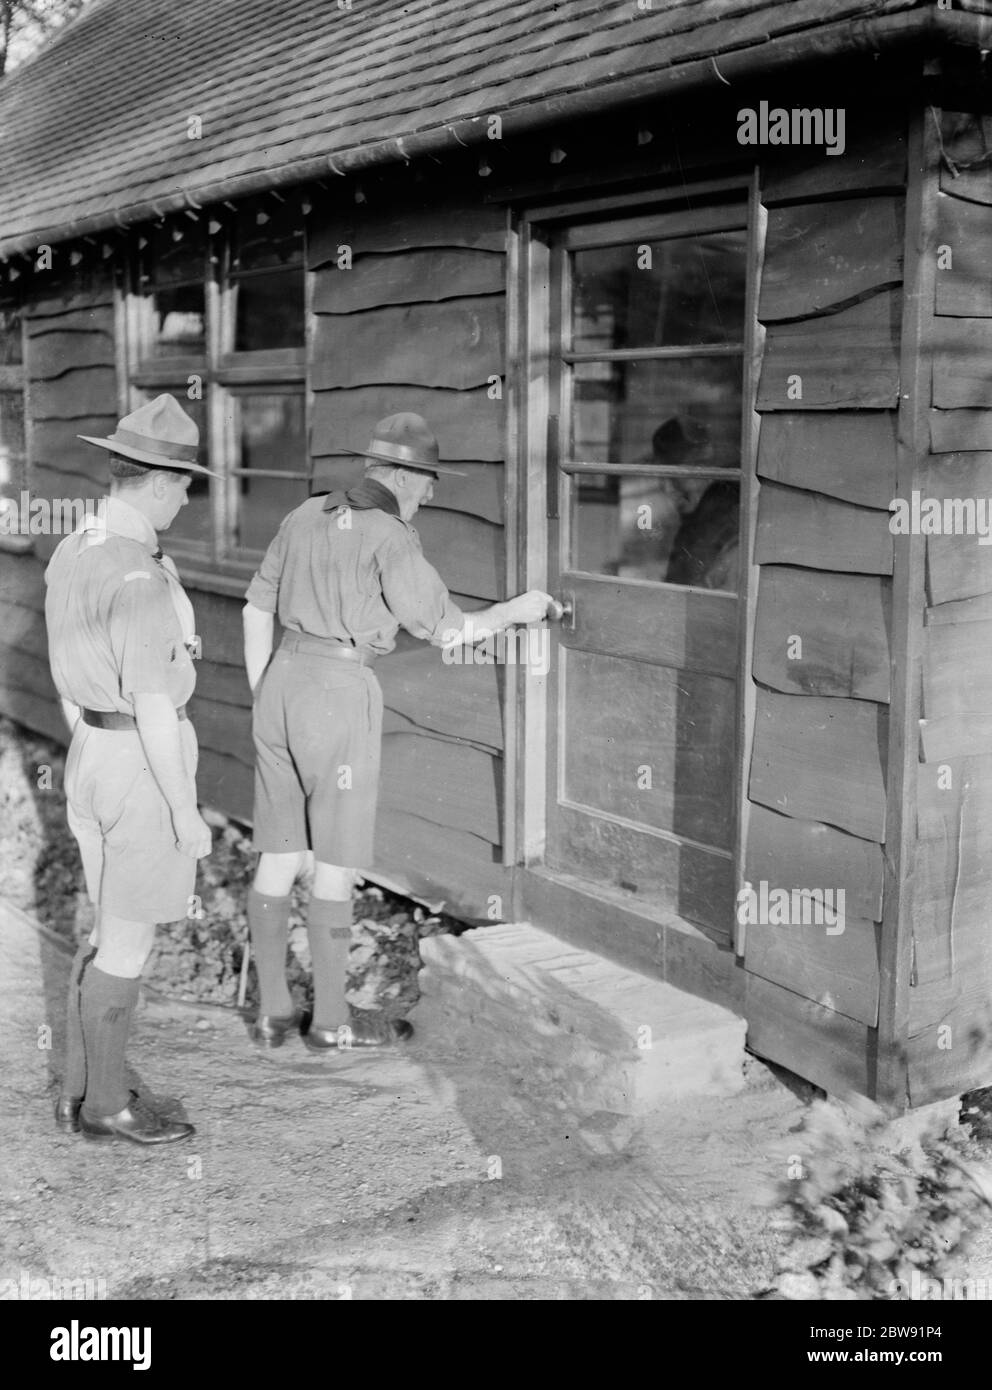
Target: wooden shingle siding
(874, 161)
(802, 528)
(850, 455)
(820, 257)
(790, 853)
(847, 360)
(965, 172)
(964, 235)
(821, 760)
(841, 623)
(960, 431)
(961, 376)
(462, 700)
(824, 1045)
(377, 280)
(456, 344)
(839, 972)
(408, 847)
(480, 493)
(468, 424)
(959, 566)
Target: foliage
(865, 1212)
(26, 24)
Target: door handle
(563, 611)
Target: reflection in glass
(178, 322)
(272, 435)
(691, 291)
(11, 442)
(670, 530)
(11, 354)
(684, 411)
(193, 522)
(269, 311)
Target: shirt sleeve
(143, 635)
(263, 591)
(415, 593)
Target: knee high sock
(268, 922)
(329, 934)
(106, 1007)
(74, 1072)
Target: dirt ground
(363, 1176)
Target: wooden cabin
(686, 377)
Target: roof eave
(826, 43)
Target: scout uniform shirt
(342, 570)
(119, 625)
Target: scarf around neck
(365, 495)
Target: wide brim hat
(159, 434)
(407, 441)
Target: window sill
(16, 544)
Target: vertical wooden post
(908, 601)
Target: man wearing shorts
(121, 645)
(344, 573)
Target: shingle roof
(95, 129)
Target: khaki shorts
(317, 727)
(123, 826)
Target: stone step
(610, 1041)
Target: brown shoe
(136, 1122)
(364, 1029)
(272, 1030)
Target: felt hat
(407, 441)
(159, 434)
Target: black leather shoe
(67, 1115)
(362, 1030)
(272, 1030)
(136, 1122)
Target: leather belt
(307, 645)
(113, 719)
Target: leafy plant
(863, 1213)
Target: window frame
(221, 563)
(14, 379)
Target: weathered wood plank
(73, 305)
(965, 610)
(222, 729)
(402, 226)
(218, 623)
(83, 318)
(956, 793)
(690, 631)
(804, 528)
(463, 700)
(959, 565)
(874, 158)
(821, 760)
(957, 670)
(850, 455)
(669, 875)
(964, 268)
(822, 634)
(467, 423)
(824, 1046)
(937, 1071)
(961, 376)
(226, 784)
(456, 344)
(52, 355)
(481, 492)
(456, 871)
(56, 443)
(954, 736)
(960, 431)
(35, 709)
(788, 853)
(22, 581)
(76, 395)
(966, 137)
(448, 784)
(408, 278)
(467, 553)
(838, 972)
(847, 360)
(224, 685)
(950, 907)
(822, 255)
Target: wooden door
(642, 348)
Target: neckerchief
(365, 495)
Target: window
(652, 351)
(216, 317)
(13, 452)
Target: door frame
(652, 941)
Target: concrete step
(607, 1040)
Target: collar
(119, 518)
(366, 494)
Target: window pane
(269, 311)
(11, 354)
(173, 278)
(194, 522)
(269, 236)
(11, 442)
(177, 322)
(670, 293)
(684, 411)
(271, 435)
(671, 530)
